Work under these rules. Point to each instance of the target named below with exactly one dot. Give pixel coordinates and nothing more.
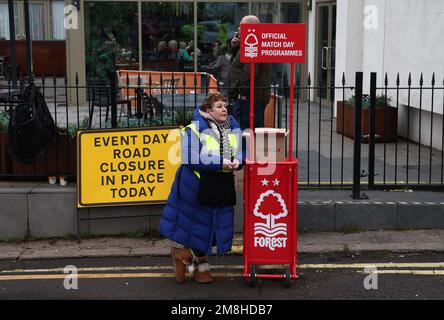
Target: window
(57, 18)
(291, 13)
(167, 36)
(4, 20)
(283, 12)
(37, 21)
(168, 30)
(266, 12)
(216, 24)
(111, 37)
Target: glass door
(325, 50)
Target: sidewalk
(393, 241)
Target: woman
(183, 53)
(173, 50)
(199, 212)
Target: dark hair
(212, 98)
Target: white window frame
(47, 17)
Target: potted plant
(386, 119)
(5, 159)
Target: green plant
(72, 127)
(381, 101)
(135, 234)
(187, 32)
(125, 123)
(183, 118)
(349, 229)
(4, 121)
(222, 32)
(72, 130)
(129, 123)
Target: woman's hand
(235, 42)
(227, 165)
(230, 166)
(235, 164)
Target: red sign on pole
(270, 234)
(273, 43)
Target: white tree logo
(251, 43)
(270, 206)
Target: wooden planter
(5, 158)
(58, 159)
(37, 168)
(386, 130)
(62, 156)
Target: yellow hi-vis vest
(211, 142)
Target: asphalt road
(330, 276)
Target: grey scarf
(222, 131)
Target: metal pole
(251, 111)
(13, 43)
(78, 225)
(195, 37)
(372, 131)
(28, 40)
(113, 91)
(291, 111)
(357, 141)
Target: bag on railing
(30, 126)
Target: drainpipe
(13, 43)
(28, 41)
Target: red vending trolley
(270, 188)
(270, 233)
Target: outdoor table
(187, 101)
(7, 95)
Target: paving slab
(324, 242)
(420, 215)
(316, 216)
(52, 214)
(366, 216)
(13, 215)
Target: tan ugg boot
(181, 259)
(202, 272)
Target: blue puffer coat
(184, 219)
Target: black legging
(198, 253)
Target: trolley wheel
(253, 276)
(287, 278)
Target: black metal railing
(329, 155)
(416, 158)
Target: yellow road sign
(126, 167)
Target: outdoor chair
(2, 68)
(100, 96)
(168, 85)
